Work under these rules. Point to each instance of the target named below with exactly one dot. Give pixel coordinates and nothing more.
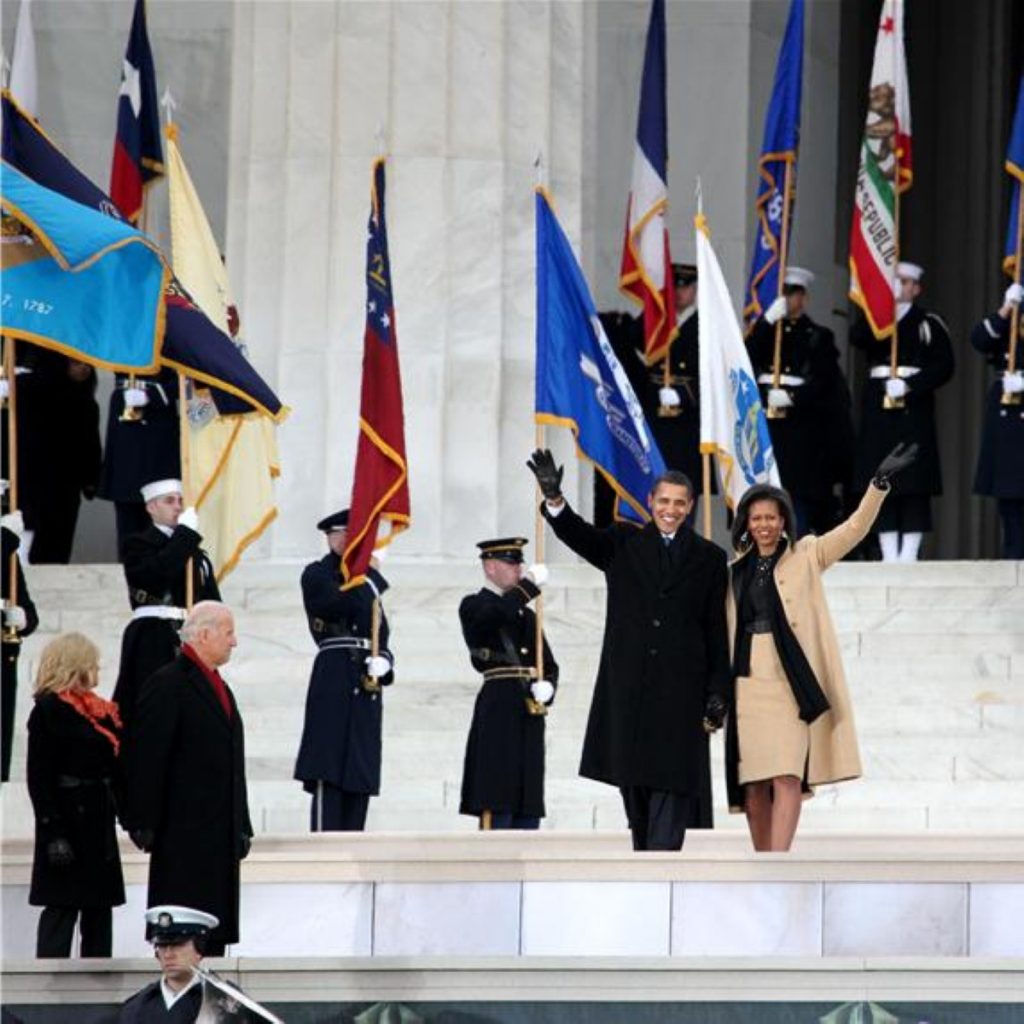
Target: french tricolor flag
(138, 153)
(646, 272)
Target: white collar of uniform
(686, 314)
(494, 588)
(165, 530)
(170, 998)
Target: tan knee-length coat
(834, 755)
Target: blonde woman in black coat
(73, 743)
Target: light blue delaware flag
(580, 382)
(78, 281)
(778, 149)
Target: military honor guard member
(156, 565)
(143, 444)
(339, 756)
(503, 776)
(901, 408)
(664, 679)
(1000, 470)
(20, 620)
(186, 799)
(178, 935)
(809, 412)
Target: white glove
(776, 311)
(537, 574)
(1013, 383)
(778, 398)
(379, 554)
(15, 617)
(14, 522)
(5, 389)
(377, 665)
(895, 387)
(135, 398)
(542, 691)
(669, 397)
(190, 518)
(1013, 295)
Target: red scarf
(213, 677)
(92, 707)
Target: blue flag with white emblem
(580, 382)
(77, 281)
(1015, 168)
(778, 150)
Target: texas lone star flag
(646, 271)
(885, 170)
(138, 156)
(380, 488)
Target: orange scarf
(93, 707)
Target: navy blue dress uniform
(170, 926)
(1000, 470)
(185, 792)
(813, 440)
(339, 759)
(140, 450)
(58, 448)
(676, 429)
(155, 568)
(71, 772)
(663, 657)
(925, 363)
(503, 772)
(12, 647)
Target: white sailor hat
(158, 488)
(170, 923)
(798, 277)
(909, 271)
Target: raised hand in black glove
(143, 838)
(549, 476)
(59, 853)
(714, 713)
(895, 462)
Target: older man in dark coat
(664, 677)
(185, 777)
(340, 751)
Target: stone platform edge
(546, 979)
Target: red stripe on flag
(876, 291)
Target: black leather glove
(895, 462)
(714, 713)
(244, 846)
(59, 853)
(549, 476)
(143, 838)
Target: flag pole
(771, 412)
(705, 464)
(1011, 359)
(186, 474)
(11, 636)
(533, 706)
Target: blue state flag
(77, 281)
(580, 382)
(1015, 168)
(778, 149)
(193, 344)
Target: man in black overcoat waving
(663, 682)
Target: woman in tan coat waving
(792, 726)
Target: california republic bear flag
(885, 171)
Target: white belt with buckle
(159, 611)
(878, 372)
(784, 379)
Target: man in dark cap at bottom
(178, 936)
(503, 775)
(339, 756)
